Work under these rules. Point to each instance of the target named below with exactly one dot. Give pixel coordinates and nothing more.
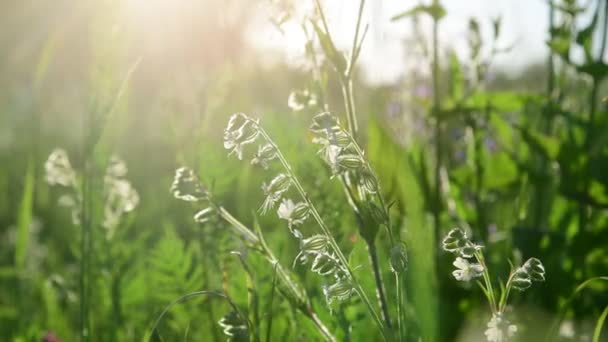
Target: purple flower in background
(393, 109)
(50, 337)
(423, 91)
(491, 144)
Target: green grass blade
(600, 323)
(25, 218)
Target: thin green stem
(487, 280)
(349, 104)
(437, 129)
(355, 46)
(280, 272)
(505, 296)
(334, 245)
(380, 291)
(399, 307)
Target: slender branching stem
(324, 228)
(400, 311)
(280, 272)
(380, 291)
(437, 128)
(488, 282)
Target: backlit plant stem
(437, 127)
(285, 279)
(324, 228)
(488, 282)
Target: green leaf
(331, 52)
(598, 326)
(436, 11)
(585, 37)
(597, 70)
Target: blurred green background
(523, 164)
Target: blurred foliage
(522, 164)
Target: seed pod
(234, 326)
(324, 264)
(349, 162)
(369, 182)
(204, 215)
(535, 269)
(300, 213)
(278, 184)
(265, 154)
(398, 258)
(521, 279)
(187, 187)
(323, 122)
(340, 290)
(315, 244)
(338, 137)
(455, 240)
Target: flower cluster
(499, 328)
(315, 250)
(301, 99)
(120, 197)
(58, 170)
(342, 154)
(458, 243)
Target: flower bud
(234, 326)
(369, 182)
(187, 187)
(455, 240)
(340, 290)
(315, 244)
(521, 279)
(278, 184)
(265, 154)
(349, 162)
(469, 250)
(324, 264)
(398, 259)
(535, 269)
(204, 215)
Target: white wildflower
(58, 169)
(301, 99)
(466, 271)
(499, 329)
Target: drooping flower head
(241, 131)
(187, 187)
